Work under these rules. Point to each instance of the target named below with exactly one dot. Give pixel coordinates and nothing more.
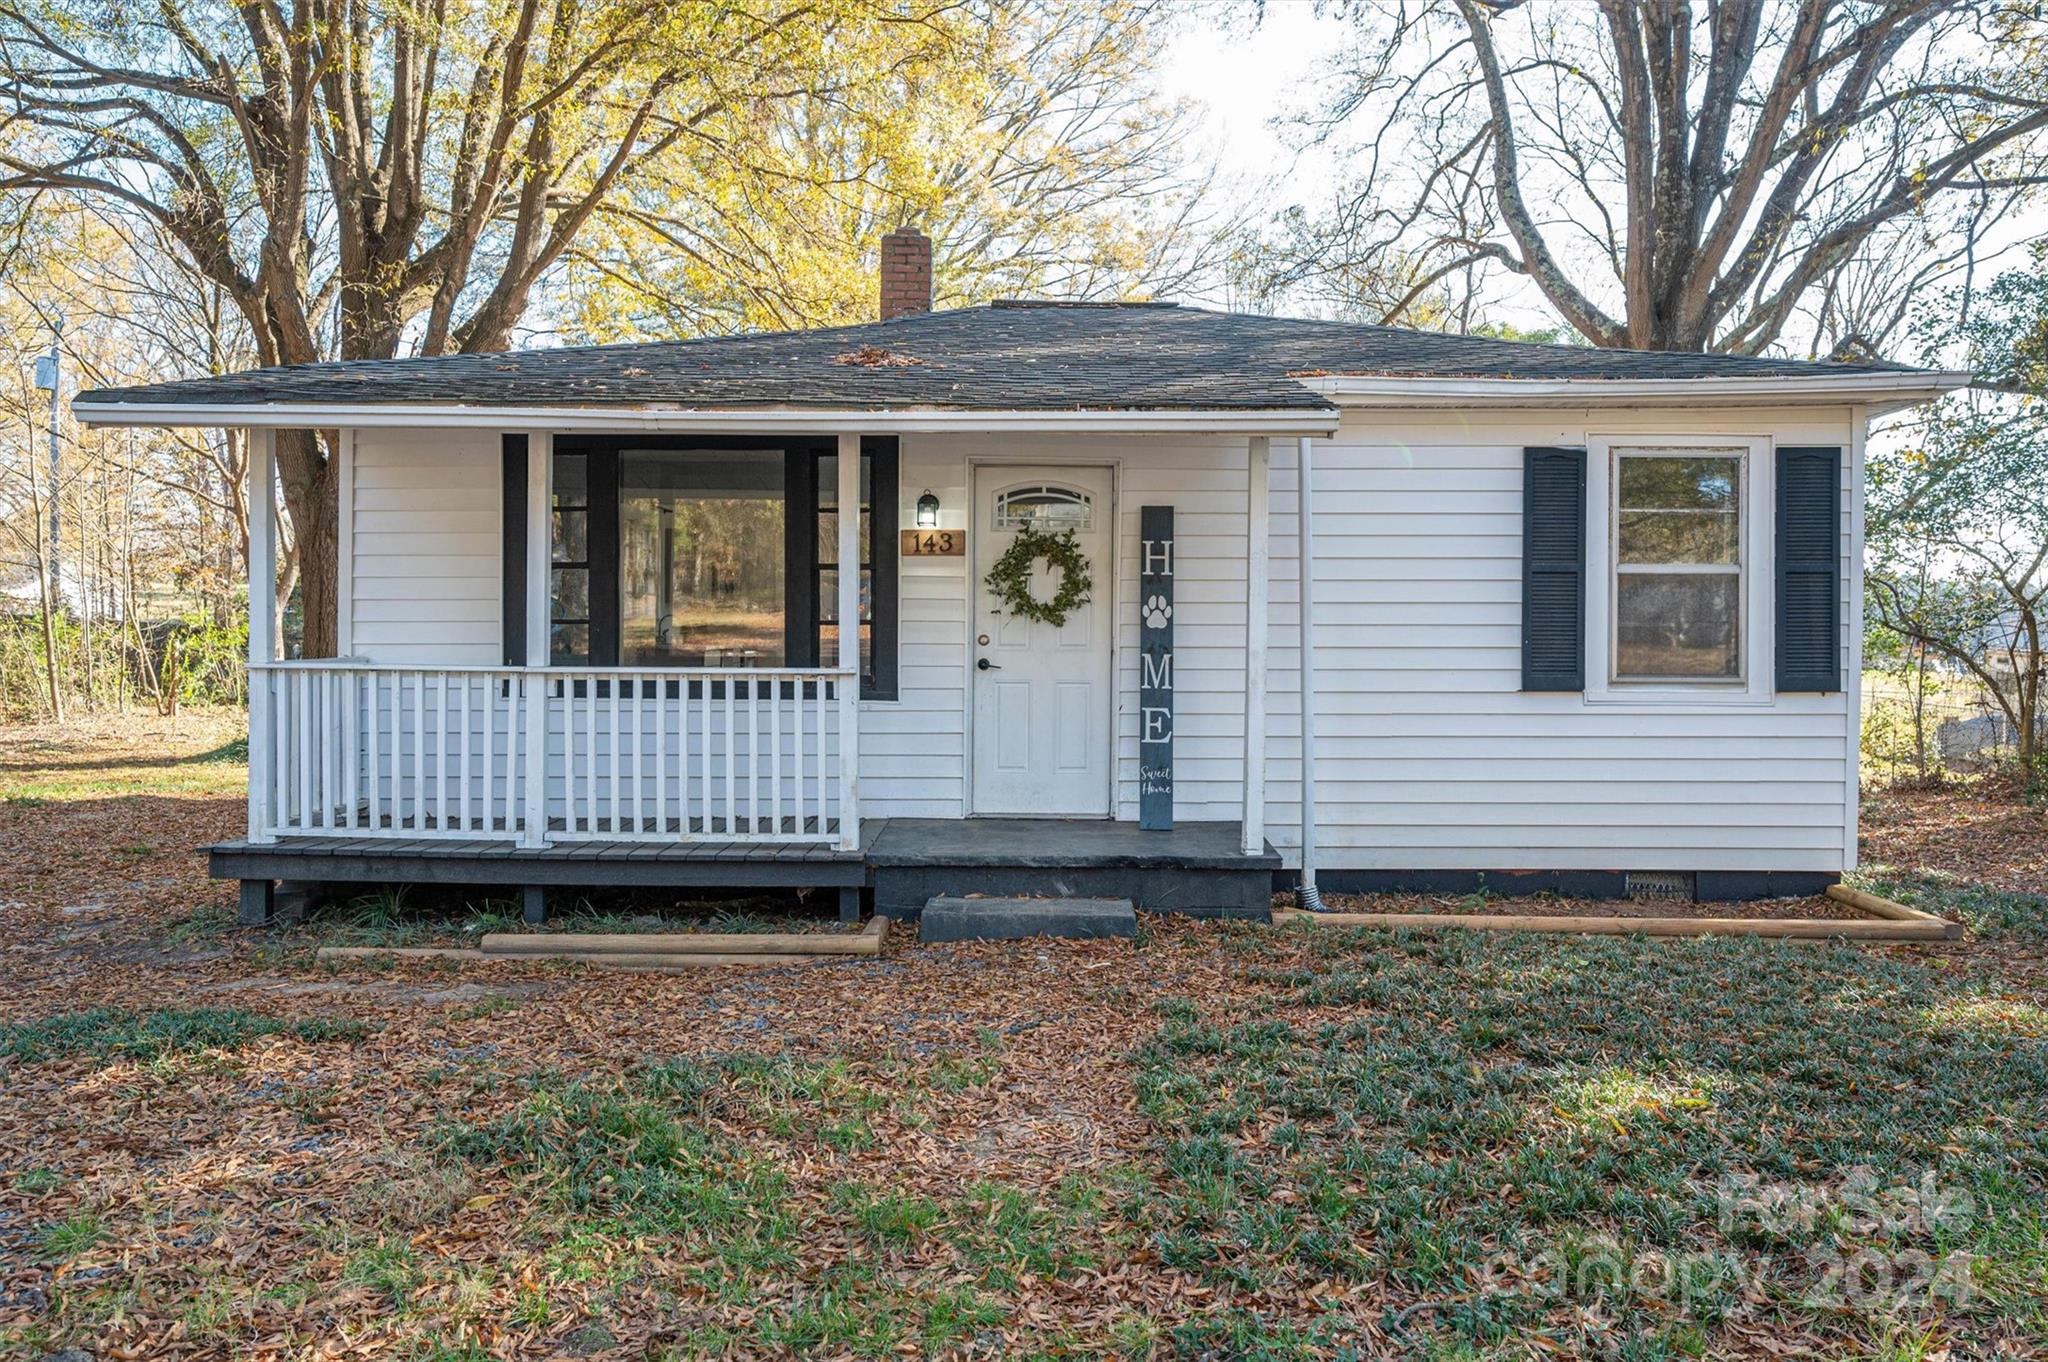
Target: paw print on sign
(1157, 611)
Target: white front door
(1042, 693)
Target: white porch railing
(556, 754)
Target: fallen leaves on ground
(1222, 1140)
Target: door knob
(984, 665)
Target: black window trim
(512, 509)
(800, 542)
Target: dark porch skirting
(1196, 868)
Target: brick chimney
(906, 272)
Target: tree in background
(1040, 162)
(1674, 177)
(362, 177)
(1958, 518)
(153, 527)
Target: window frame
(801, 458)
(1756, 568)
(1739, 569)
(585, 565)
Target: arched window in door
(1045, 506)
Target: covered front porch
(534, 755)
(541, 773)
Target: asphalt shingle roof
(1006, 356)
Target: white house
(1571, 614)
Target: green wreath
(1010, 579)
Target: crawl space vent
(1659, 884)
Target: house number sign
(934, 543)
(1155, 667)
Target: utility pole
(50, 375)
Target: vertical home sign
(1155, 667)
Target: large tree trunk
(308, 478)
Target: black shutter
(1809, 612)
(881, 452)
(1553, 569)
(513, 485)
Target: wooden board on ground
(462, 953)
(1890, 922)
(661, 953)
(1885, 908)
(679, 943)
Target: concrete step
(1009, 919)
(903, 890)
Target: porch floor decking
(598, 864)
(963, 852)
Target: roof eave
(1880, 392)
(786, 420)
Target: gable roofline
(1316, 420)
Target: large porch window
(699, 553)
(700, 561)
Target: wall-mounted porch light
(927, 511)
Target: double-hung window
(1678, 549)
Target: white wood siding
(427, 572)
(1429, 756)
(913, 753)
(913, 761)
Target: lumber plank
(1886, 908)
(675, 964)
(659, 962)
(1783, 928)
(403, 952)
(684, 943)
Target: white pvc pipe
(1307, 895)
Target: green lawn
(1453, 1146)
(203, 754)
(1220, 1141)
(1608, 1143)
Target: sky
(1243, 75)
(1243, 72)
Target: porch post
(533, 685)
(345, 543)
(1309, 897)
(849, 641)
(1257, 587)
(261, 509)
